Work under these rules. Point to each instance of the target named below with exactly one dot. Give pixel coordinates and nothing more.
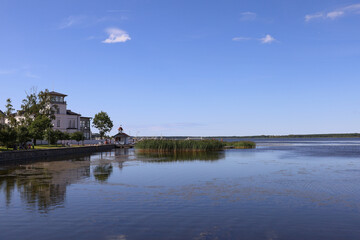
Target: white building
(67, 120)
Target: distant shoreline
(336, 135)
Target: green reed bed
(160, 145)
(241, 144)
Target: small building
(121, 138)
(2, 118)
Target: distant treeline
(329, 135)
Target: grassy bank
(241, 144)
(3, 149)
(162, 145)
(179, 145)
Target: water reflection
(43, 185)
(102, 172)
(180, 156)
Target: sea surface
(283, 189)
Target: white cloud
(116, 35)
(267, 39)
(313, 16)
(350, 9)
(71, 21)
(241, 38)
(353, 7)
(334, 14)
(248, 16)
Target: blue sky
(199, 68)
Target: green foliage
(179, 145)
(102, 122)
(53, 136)
(64, 136)
(7, 136)
(37, 113)
(38, 126)
(23, 134)
(77, 136)
(241, 144)
(9, 113)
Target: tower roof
(57, 94)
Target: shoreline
(33, 154)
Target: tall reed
(161, 145)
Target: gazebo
(121, 138)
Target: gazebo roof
(121, 134)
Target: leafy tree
(38, 126)
(53, 136)
(77, 136)
(7, 136)
(64, 136)
(23, 134)
(38, 112)
(9, 114)
(8, 132)
(102, 122)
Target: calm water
(284, 189)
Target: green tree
(38, 112)
(103, 123)
(23, 134)
(38, 126)
(9, 114)
(7, 136)
(77, 136)
(7, 132)
(52, 136)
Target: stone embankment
(13, 156)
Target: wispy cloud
(267, 39)
(241, 39)
(7, 71)
(31, 75)
(116, 35)
(72, 21)
(350, 9)
(310, 17)
(88, 21)
(248, 16)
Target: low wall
(11, 156)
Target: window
(58, 123)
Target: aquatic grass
(241, 144)
(161, 145)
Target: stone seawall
(12, 156)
